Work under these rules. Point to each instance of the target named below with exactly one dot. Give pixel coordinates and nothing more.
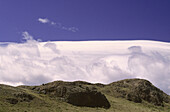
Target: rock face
(88, 99)
(77, 93)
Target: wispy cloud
(29, 38)
(58, 25)
(43, 20)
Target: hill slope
(123, 96)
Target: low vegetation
(130, 95)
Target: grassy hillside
(52, 97)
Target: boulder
(88, 99)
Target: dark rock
(88, 99)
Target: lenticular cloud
(36, 62)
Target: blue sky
(92, 19)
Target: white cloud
(58, 25)
(45, 20)
(36, 62)
(52, 46)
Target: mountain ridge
(138, 93)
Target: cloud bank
(34, 62)
(58, 25)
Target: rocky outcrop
(138, 90)
(81, 93)
(146, 91)
(77, 93)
